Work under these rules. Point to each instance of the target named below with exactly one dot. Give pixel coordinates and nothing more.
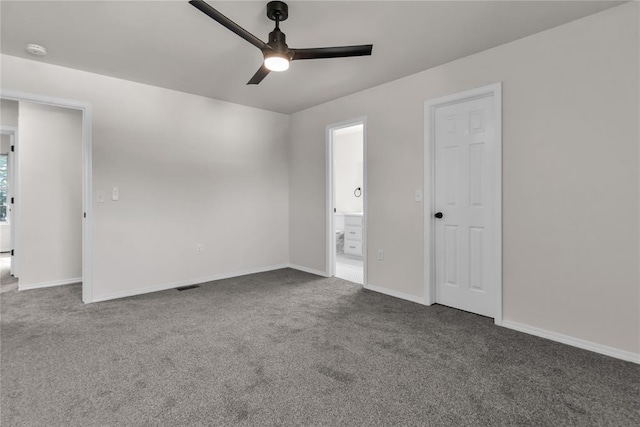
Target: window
(4, 175)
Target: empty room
(320, 213)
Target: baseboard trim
(395, 294)
(309, 270)
(197, 281)
(49, 284)
(573, 341)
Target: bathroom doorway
(347, 201)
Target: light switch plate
(418, 195)
(115, 194)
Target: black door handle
(438, 215)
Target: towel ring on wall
(357, 192)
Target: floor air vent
(184, 288)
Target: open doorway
(8, 135)
(49, 192)
(347, 201)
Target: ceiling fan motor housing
(278, 41)
(277, 11)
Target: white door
(467, 186)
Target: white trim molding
(395, 294)
(573, 341)
(49, 284)
(196, 281)
(495, 91)
(87, 175)
(308, 270)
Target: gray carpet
(290, 348)
(7, 281)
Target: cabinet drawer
(352, 232)
(353, 220)
(352, 247)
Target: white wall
(50, 174)
(348, 170)
(5, 144)
(8, 113)
(190, 170)
(570, 176)
(5, 237)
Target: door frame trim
(494, 90)
(330, 236)
(12, 132)
(87, 170)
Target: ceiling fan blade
(228, 23)
(259, 75)
(332, 52)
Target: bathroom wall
(338, 221)
(348, 168)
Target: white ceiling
(171, 44)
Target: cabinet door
(353, 247)
(352, 232)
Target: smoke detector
(36, 49)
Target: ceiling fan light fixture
(277, 54)
(276, 61)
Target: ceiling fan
(277, 55)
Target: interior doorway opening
(347, 201)
(51, 192)
(8, 178)
(8, 281)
